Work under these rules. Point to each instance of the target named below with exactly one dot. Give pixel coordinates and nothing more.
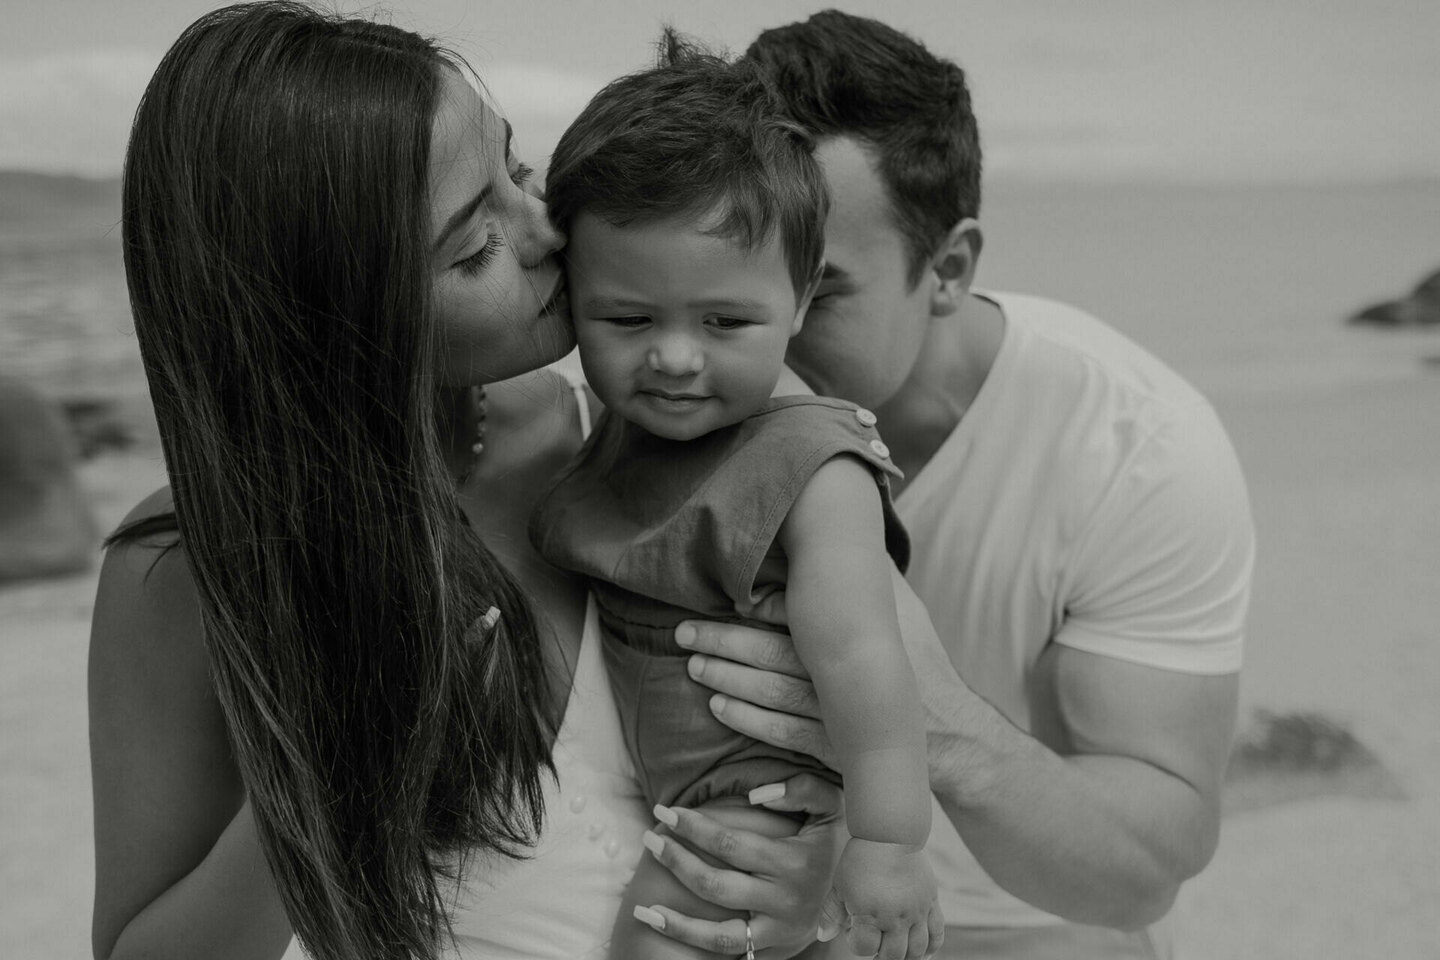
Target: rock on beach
(1420, 309)
(46, 528)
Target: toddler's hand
(888, 891)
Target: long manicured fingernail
(652, 842)
(718, 703)
(666, 816)
(768, 793)
(696, 666)
(654, 918)
(685, 635)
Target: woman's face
(499, 290)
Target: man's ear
(809, 294)
(953, 265)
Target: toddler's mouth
(671, 395)
(668, 402)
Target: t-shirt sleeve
(1161, 576)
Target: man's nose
(676, 355)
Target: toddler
(715, 477)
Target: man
(1081, 532)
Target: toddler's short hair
(696, 134)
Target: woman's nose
(538, 237)
(676, 355)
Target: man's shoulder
(1064, 348)
(1075, 394)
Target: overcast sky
(1232, 90)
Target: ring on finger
(749, 942)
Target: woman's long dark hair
(276, 224)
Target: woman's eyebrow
(461, 216)
(468, 210)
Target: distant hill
(57, 204)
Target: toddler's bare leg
(652, 884)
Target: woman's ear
(953, 265)
(809, 294)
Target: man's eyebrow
(468, 210)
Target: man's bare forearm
(1104, 840)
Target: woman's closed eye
(481, 258)
(522, 174)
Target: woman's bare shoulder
(157, 504)
(146, 595)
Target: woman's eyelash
(477, 261)
(523, 173)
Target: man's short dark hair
(695, 135)
(843, 75)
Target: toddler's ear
(806, 297)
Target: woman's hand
(781, 883)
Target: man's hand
(1124, 776)
(764, 692)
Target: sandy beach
(1243, 291)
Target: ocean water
(65, 321)
(1230, 284)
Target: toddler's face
(680, 333)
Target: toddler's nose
(676, 356)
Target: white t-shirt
(1088, 497)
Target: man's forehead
(861, 222)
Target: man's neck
(956, 358)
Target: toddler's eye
(627, 321)
(729, 323)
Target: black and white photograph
(668, 480)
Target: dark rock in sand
(45, 525)
(1420, 309)
(1285, 757)
(1428, 289)
(97, 426)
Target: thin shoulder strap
(582, 399)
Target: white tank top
(560, 903)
